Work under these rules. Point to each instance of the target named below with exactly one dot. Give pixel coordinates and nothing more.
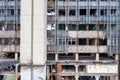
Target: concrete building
(83, 39)
(9, 38)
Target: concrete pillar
(111, 78)
(116, 56)
(76, 77)
(116, 78)
(76, 68)
(16, 56)
(97, 77)
(16, 71)
(97, 56)
(108, 78)
(56, 57)
(76, 57)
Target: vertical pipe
(32, 33)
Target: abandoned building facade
(9, 37)
(82, 39)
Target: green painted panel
(10, 77)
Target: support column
(16, 71)
(76, 57)
(97, 56)
(56, 57)
(116, 56)
(76, 68)
(97, 77)
(108, 78)
(116, 78)
(76, 77)
(16, 56)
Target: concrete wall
(87, 49)
(36, 73)
(85, 34)
(101, 68)
(8, 34)
(35, 36)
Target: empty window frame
(61, 26)
(72, 27)
(62, 12)
(82, 68)
(113, 12)
(61, 0)
(82, 41)
(102, 27)
(50, 56)
(61, 41)
(11, 12)
(69, 56)
(68, 67)
(103, 12)
(92, 42)
(72, 0)
(92, 27)
(93, 12)
(10, 27)
(103, 42)
(2, 12)
(103, 0)
(82, 12)
(72, 12)
(82, 27)
(82, 0)
(71, 41)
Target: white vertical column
(33, 39)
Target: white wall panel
(39, 32)
(38, 73)
(102, 68)
(25, 47)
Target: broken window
(102, 27)
(103, 0)
(10, 27)
(82, 27)
(82, 41)
(93, 12)
(103, 12)
(11, 41)
(50, 56)
(69, 56)
(62, 12)
(68, 67)
(18, 27)
(113, 11)
(11, 12)
(82, 0)
(72, 0)
(82, 68)
(72, 12)
(105, 56)
(103, 42)
(92, 41)
(72, 27)
(92, 27)
(82, 12)
(61, 0)
(61, 26)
